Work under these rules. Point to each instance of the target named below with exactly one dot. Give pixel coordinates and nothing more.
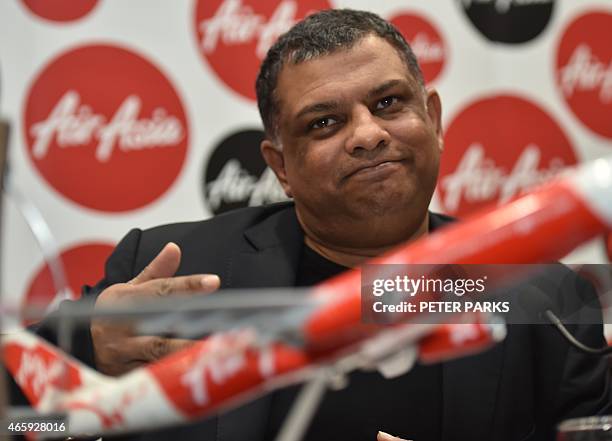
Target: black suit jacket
(517, 390)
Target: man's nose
(367, 132)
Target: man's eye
(322, 123)
(387, 101)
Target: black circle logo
(236, 176)
(509, 21)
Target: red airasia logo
(105, 128)
(498, 148)
(60, 10)
(426, 42)
(584, 70)
(234, 35)
(83, 264)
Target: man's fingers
(149, 349)
(116, 349)
(164, 264)
(384, 436)
(133, 352)
(210, 283)
(198, 283)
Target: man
(354, 138)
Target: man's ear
(275, 159)
(434, 110)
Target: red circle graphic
(497, 148)
(83, 264)
(60, 10)
(105, 128)
(426, 42)
(584, 70)
(233, 36)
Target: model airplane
(326, 332)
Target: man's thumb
(164, 264)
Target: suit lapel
(271, 255)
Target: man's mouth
(376, 167)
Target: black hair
(317, 35)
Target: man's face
(360, 144)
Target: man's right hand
(116, 349)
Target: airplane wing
(215, 373)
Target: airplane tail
(42, 371)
